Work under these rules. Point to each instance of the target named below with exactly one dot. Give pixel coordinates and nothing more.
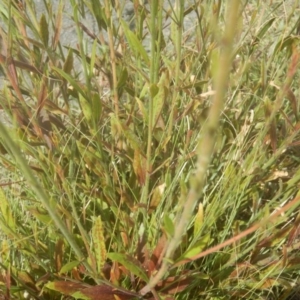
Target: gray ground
(69, 35)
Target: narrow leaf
(132, 138)
(142, 110)
(135, 43)
(86, 108)
(169, 225)
(130, 263)
(157, 196)
(6, 211)
(58, 23)
(159, 99)
(65, 287)
(70, 80)
(262, 31)
(40, 214)
(139, 163)
(272, 132)
(44, 32)
(93, 56)
(68, 65)
(196, 248)
(198, 220)
(97, 107)
(69, 266)
(58, 254)
(106, 292)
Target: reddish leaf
(139, 166)
(157, 255)
(66, 287)
(295, 232)
(83, 291)
(115, 273)
(8, 283)
(107, 293)
(272, 132)
(58, 254)
(175, 284)
(75, 274)
(8, 64)
(130, 264)
(293, 101)
(58, 27)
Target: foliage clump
(149, 160)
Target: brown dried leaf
(153, 263)
(175, 284)
(58, 254)
(294, 234)
(44, 32)
(66, 287)
(157, 195)
(139, 166)
(293, 100)
(6, 60)
(58, 26)
(272, 131)
(45, 127)
(115, 273)
(107, 293)
(83, 291)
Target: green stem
(110, 27)
(178, 19)
(156, 32)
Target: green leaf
(86, 108)
(98, 10)
(198, 220)
(40, 214)
(130, 263)
(44, 32)
(7, 230)
(134, 43)
(169, 225)
(93, 57)
(196, 248)
(68, 65)
(122, 78)
(80, 295)
(6, 211)
(97, 107)
(287, 42)
(153, 90)
(159, 99)
(69, 266)
(70, 80)
(118, 127)
(143, 110)
(214, 61)
(132, 138)
(262, 31)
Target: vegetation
(161, 172)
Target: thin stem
(112, 56)
(155, 31)
(178, 27)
